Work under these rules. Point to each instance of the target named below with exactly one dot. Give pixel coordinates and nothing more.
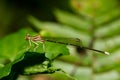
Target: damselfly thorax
(36, 38)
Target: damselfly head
(27, 37)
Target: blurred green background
(95, 22)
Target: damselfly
(67, 41)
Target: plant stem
(93, 38)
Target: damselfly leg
(35, 40)
(29, 41)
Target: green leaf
(23, 61)
(110, 62)
(12, 50)
(81, 72)
(111, 75)
(107, 17)
(44, 68)
(54, 50)
(1, 65)
(93, 8)
(72, 20)
(5, 71)
(105, 31)
(12, 44)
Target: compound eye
(27, 37)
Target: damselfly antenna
(66, 41)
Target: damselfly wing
(67, 41)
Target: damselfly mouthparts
(67, 41)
